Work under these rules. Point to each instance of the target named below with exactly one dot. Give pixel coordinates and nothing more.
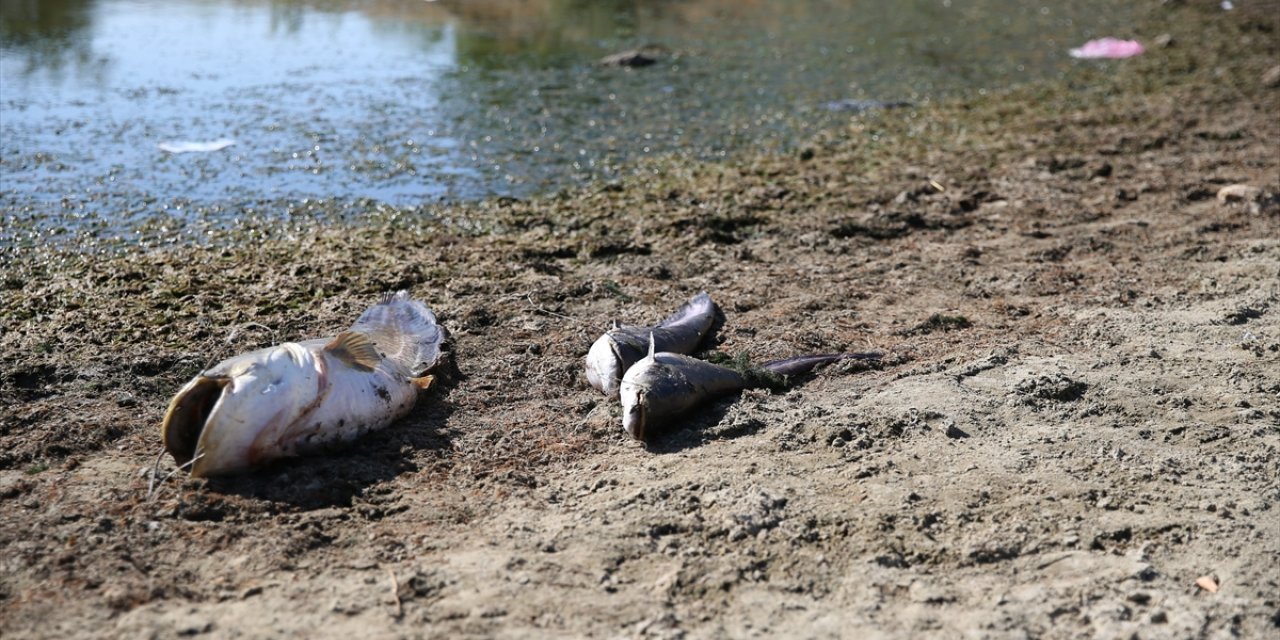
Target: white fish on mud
(299, 396)
(623, 346)
(662, 386)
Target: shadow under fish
(662, 386)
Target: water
(407, 102)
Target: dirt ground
(1075, 431)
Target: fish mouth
(187, 415)
(635, 418)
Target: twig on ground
(153, 489)
(235, 333)
(155, 468)
(395, 592)
(536, 307)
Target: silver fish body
(623, 346)
(299, 396)
(662, 386)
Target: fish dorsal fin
(652, 346)
(355, 349)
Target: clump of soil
(1098, 434)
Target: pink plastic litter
(1108, 48)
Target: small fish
(298, 396)
(664, 385)
(863, 106)
(623, 346)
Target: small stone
(1239, 193)
(12, 487)
(125, 399)
(1271, 78)
(195, 628)
(341, 607)
(955, 432)
(1164, 40)
(1140, 598)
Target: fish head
(231, 417)
(604, 366)
(635, 409)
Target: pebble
(12, 487)
(195, 628)
(1239, 193)
(1272, 77)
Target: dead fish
(664, 385)
(623, 346)
(299, 396)
(863, 106)
(642, 57)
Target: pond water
(406, 102)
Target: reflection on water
(406, 101)
(48, 36)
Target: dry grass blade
(153, 487)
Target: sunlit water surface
(410, 102)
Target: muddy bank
(1099, 432)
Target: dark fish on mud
(299, 396)
(662, 386)
(623, 346)
(862, 106)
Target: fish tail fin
(800, 365)
(699, 309)
(404, 330)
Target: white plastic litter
(1108, 48)
(188, 146)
